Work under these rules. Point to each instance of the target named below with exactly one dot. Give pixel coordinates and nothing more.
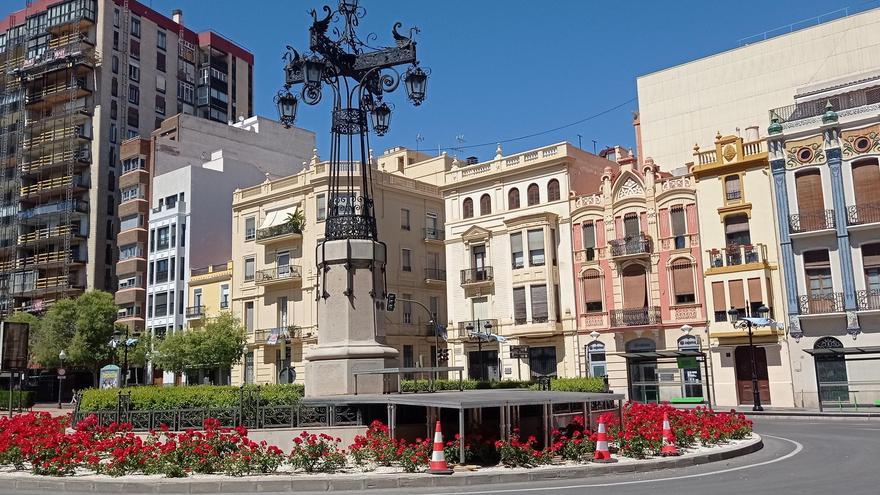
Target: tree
(219, 343)
(55, 333)
(95, 321)
(297, 221)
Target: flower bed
(43, 445)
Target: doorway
(743, 357)
(483, 367)
(542, 361)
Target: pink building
(637, 265)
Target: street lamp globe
(763, 311)
(686, 329)
(488, 327)
(595, 335)
(416, 82)
(117, 335)
(732, 315)
(62, 355)
(469, 327)
(381, 115)
(314, 71)
(286, 103)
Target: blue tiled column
(843, 247)
(786, 254)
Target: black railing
(478, 326)
(435, 274)
(815, 304)
(734, 195)
(861, 214)
(809, 222)
(195, 311)
(281, 334)
(868, 299)
(433, 234)
(635, 316)
(283, 272)
(635, 244)
(476, 275)
(283, 229)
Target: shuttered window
(683, 281)
(485, 204)
(631, 225)
(732, 188)
(635, 287)
(592, 291)
(589, 231)
(817, 266)
(866, 182)
(809, 193)
(533, 195)
(538, 294)
(871, 255)
(536, 247)
(719, 301)
(755, 295)
(737, 296)
(516, 250)
(736, 230)
(467, 208)
(553, 190)
(679, 225)
(519, 305)
(513, 199)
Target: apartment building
(236, 155)
(637, 272)
(508, 251)
(210, 293)
(78, 77)
(275, 277)
(824, 151)
(741, 268)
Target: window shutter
(519, 303)
(755, 295)
(635, 289)
(737, 297)
(809, 192)
(735, 224)
(513, 199)
(816, 259)
(678, 223)
(631, 224)
(718, 299)
(866, 182)
(592, 286)
(539, 302)
(683, 277)
(871, 255)
(589, 235)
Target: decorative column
(777, 166)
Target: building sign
(519, 351)
(686, 342)
(111, 376)
(687, 362)
(14, 345)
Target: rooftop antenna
(460, 140)
(580, 141)
(419, 139)
(594, 146)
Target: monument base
(336, 377)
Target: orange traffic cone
(603, 455)
(438, 457)
(669, 448)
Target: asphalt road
(800, 457)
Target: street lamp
(117, 337)
(381, 116)
(286, 103)
(686, 329)
(748, 323)
(479, 335)
(416, 82)
(61, 357)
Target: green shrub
(560, 384)
(25, 397)
(187, 397)
(578, 384)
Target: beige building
(509, 259)
(210, 292)
(275, 277)
(691, 102)
(741, 263)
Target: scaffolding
(49, 75)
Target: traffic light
(390, 301)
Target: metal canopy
(469, 399)
(663, 354)
(843, 351)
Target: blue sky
(503, 69)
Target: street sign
(519, 351)
(61, 371)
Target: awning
(278, 217)
(662, 354)
(843, 351)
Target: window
(116, 40)
(134, 94)
(150, 306)
(183, 268)
(431, 230)
(810, 200)
(516, 250)
(113, 133)
(182, 234)
(161, 304)
(533, 195)
(866, 189)
(161, 39)
(130, 193)
(152, 240)
(185, 92)
(130, 164)
(130, 222)
(736, 232)
(589, 240)
(683, 281)
(129, 251)
(134, 72)
(249, 316)
(406, 259)
(434, 307)
(485, 204)
(281, 306)
(250, 228)
(115, 17)
(135, 49)
(197, 298)
(161, 271)
(679, 226)
(538, 295)
(592, 291)
(519, 306)
(321, 207)
(732, 188)
(536, 247)
(631, 226)
(513, 199)
(173, 234)
(224, 296)
(163, 238)
(114, 64)
(719, 302)
(249, 264)
(406, 309)
(160, 105)
(135, 27)
(404, 219)
(128, 283)
(467, 208)
(596, 356)
(553, 193)
(817, 267)
(171, 268)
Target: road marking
(798, 447)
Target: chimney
(177, 16)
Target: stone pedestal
(351, 287)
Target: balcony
(737, 255)
(478, 325)
(868, 300)
(817, 304)
(194, 312)
(434, 235)
(632, 317)
(594, 320)
(279, 232)
(863, 214)
(54, 208)
(476, 276)
(685, 241)
(279, 275)
(800, 223)
(277, 335)
(631, 246)
(435, 276)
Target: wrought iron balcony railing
(737, 254)
(434, 234)
(194, 312)
(636, 244)
(277, 231)
(816, 304)
(435, 274)
(812, 221)
(631, 317)
(277, 335)
(862, 214)
(868, 300)
(477, 326)
(283, 272)
(476, 275)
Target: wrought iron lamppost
(479, 336)
(61, 357)
(749, 323)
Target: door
(542, 361)
(810, 200)
(743, 359)
(644, 383)
(483, 365)
(282, 262)
(478, 262)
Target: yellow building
(210, 292)
(741, 261)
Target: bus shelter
(673, 376)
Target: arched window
(485, 204)
(532, 195)
(831, 371)
(592, 291)
(467, 208)
(553, 190)
(513, 199)
(596, 355)
(683, 281)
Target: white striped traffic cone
(603, 455)
(669, 448)
(438, 458)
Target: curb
(841, 416)
(289, 484)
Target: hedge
(560, 384)
(26, 397)
(188, 397)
